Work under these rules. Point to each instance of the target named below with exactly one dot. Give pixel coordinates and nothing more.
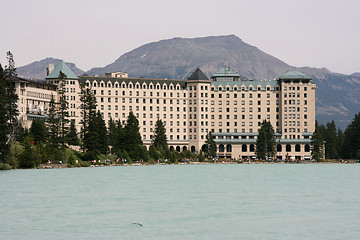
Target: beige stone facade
(229, 106)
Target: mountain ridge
(337, 95)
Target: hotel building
(228, 105)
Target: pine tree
(29, 158)
(132, 136)
(265, 143)
(340, 143)
(331, 141)
(210, 146)
(72, 138)
(12, 97)
(102, 134)
(261, 144)
(38, 131)
(317, 145)
(53, 124)
(88, 112)
(119, 139)
(112, 134)
(63, 113)
(4, 117)
(351, 147)
(159, 140)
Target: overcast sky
(94, 33)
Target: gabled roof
(197, 75)
(64, 69)
(294, 75)
(226, 72)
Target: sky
(93, 33)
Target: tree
(112, 133)
(12, 97)
(72, 138)
(265, 143)
(102, 134)
(210, 146)
(53, 124)
(340, 143)
(4, 117)
(159, 140)
(63, 113)
(88, 112)
(132, 135)
(119, 139)
(331, 141)
(317, 145)
(29, 158)
(38, 131)
(351, 147)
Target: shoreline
(59, 166)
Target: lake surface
(266, 201)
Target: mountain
(37, 70)
(337, 95)
(177, 57)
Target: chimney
(49, 69)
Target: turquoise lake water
(266, 201)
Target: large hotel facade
(229, 106)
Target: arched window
(178, 148)
(228, 148)
(184, 148)
(307, 148)
(171, 148)
(204, 147)
(278, 148)
(221, 148)
(288, 147)
(244, 148)
(192, 148)
(297, 148)
(252, 148)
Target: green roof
(64, 69)
(294, 75)
(197, 75)
(225, 72)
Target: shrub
(5, 166)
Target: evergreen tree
(159, 140)
(210, 146)
(132, 136)
(12, 97)
(63, 113)
(29, 158)
(4, 117)
(265, 143)
(112, 134)
(102, 134)
(201, 157)
(317, 145)
(331, 141)
(88, 112)
(72, 138)
(351, 147)
(53, 124)
(119, 139)
(340, 143)
(38, 131)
